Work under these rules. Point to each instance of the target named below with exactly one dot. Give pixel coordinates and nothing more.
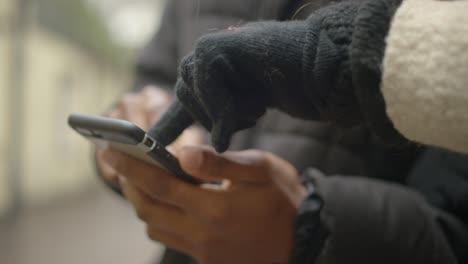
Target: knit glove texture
(325, 68)
(299, 67)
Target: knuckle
(143, 211)
(152, 233)
(149, 89)
(128, 99)
(261, 159)
(263, 156)
(210, 47)
(186, 69)
(266, 159)
(261, 162)
(121, 165)
(142, 215)
(111, 177)
(183, 92)
(257, 154)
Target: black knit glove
(301, 67)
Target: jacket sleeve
(442, 177)
(425, 72)
(157, 62)
(368, 221)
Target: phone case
(128, 138)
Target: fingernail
(191, 159)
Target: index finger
(247, 166)
(108, 172)
(159, 184)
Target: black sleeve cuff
(366, 53)
(309, 236)
(370, 221)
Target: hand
(144, 109)
(249, 219)
(299, 67)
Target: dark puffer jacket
(366, 220)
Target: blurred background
(58, 57)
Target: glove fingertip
(221, 135)
(220, 143)
(221, 147)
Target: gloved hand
(300, 67)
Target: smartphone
(126, 137)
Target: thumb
(204, 163)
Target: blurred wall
(5, 58)
(61, 79)
(59, 76)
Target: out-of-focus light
(131, 22)
(132, 26)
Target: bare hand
(247, 220)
